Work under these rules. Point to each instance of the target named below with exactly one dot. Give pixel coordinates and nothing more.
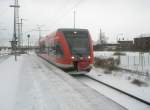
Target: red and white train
(68, 49)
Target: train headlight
(89, 57)
(72, 57)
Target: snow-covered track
(119, 90)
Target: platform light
(75, 32)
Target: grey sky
(114, 17)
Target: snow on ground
(122, 80)
(9, 70)
(122, 99)
(33, 84)
(3, 58)
(27, 84)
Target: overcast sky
(122, 18)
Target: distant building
(125, 45)
(142, 43)
(121, 45)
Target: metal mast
(18, 25)
(21, 33)
(100, 37)
(15, 33)
(74, 18)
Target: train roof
(71, 29)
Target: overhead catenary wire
(60, 9)
(60, 14)
(63, 11)
(36, 29)
(66, 13)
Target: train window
(42, 49)
(78, 42)
(52, 50)
(45, 50)
(59, 50)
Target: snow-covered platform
(33, 84)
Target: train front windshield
(78, 42)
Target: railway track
(78, 74)
(133, 101)
(114, 88)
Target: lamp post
(39, 30)
(28, 42)
(21, 29)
